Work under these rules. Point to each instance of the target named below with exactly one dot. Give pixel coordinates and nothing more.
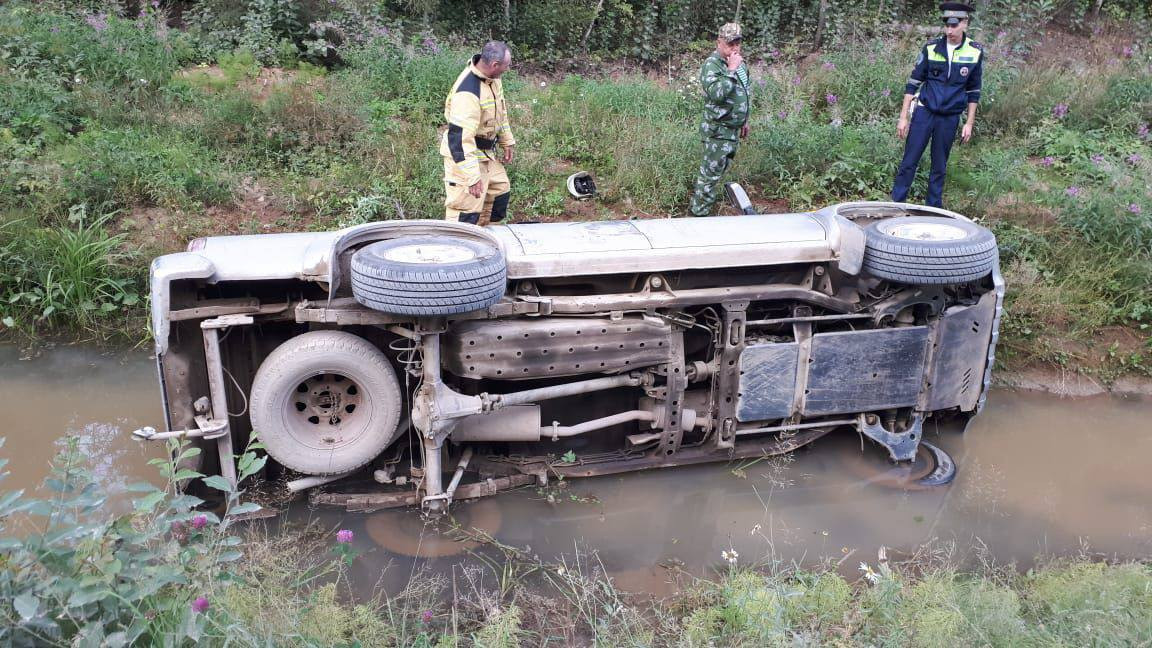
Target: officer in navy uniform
(944, 84)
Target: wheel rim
(328, 411)
(923, 231)
(426, 253)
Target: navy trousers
(926, 127)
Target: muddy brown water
(1038, 476)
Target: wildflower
(1097, 158)
(199, 521)
(783, 114)
(155, 4)
(1072, 191)
(886, 92)
(829, 65)
(99, 22)
(543, 84)
(1127, 51)
(200, 604)
(344, 536)
(1143, 130)
(831, 99)
(730, 556)
(1134, 158)
(1001, 34)
(426, 616)
(1048, 161)
(1134, 208)
(775, 54)
(1060, 110)
(796, 80)
(837, 123)
(869, 575)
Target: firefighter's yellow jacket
(477, 120)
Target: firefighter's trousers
(490, 206)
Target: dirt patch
(1064, 382)
(256, 211)
(260, 85)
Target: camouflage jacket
(726, 99)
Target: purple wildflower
(1001, 34)
(200, 605)
(1143, 130)
(775, 54)
(431, 46)
(155, 4)
(1072, 191)
(1134, 208)
(1127, 51)
(831, 99)
(199, 521)
(783, 114)
(426, 616)
(886, 92)
(99, 22)
(1097, 158)
(1059, 110)
(829, 65)
(344, 536)
(1048, 161)
(796, 80)
(1135, 158)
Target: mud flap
(738, 198)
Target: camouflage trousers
(718, 154)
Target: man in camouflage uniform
(727, 91)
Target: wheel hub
(323, 405)
(429, 253)
(924, 231)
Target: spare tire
(428, 275)
(325, 403)
(922, 250)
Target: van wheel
(428, 275)
(325, 403)
(921, 250)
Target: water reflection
(1037, 475)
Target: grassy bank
(165, 573)
(124, 138)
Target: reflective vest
(477, 120)
(946, 88)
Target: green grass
(145, 126)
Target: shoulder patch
(470, 83)
(975, 44)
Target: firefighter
(944, 84)
(475, 181)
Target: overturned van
(420, 362)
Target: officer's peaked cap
(954, 12)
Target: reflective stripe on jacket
(477, 120)
(945, 89)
